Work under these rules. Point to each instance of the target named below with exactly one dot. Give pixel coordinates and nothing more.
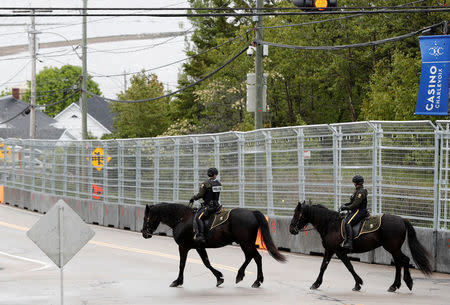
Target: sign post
(60, 234)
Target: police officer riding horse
(357, 208)
(209, 191)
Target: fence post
(217, 153)
(138, 163)
(156, 173)
(176, 169)
(53, 171)
(335, 165)
(120, 172)
(105, 172)
(241, 170)
(196, 169)
(269, 177)
(374, 167)
(301, 163)
(436, 209)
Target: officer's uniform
(210, 193)
(358, 211)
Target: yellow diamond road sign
(2, 151)
(98, 158)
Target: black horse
(242, 227)
(390, 235)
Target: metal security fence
(405, 164)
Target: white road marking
(45, 265)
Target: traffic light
(318, 4)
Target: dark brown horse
(390, 235)
(242, 227)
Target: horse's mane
(321, 215)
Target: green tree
(147, 119)
(56, 84)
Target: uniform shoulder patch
(359, 195)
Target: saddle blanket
(220, 218)
(370, 224)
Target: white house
(99, 118)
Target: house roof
(99, 109)
(19, 127)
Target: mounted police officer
(357, 208)
(209, 192)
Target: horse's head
(151, 222)
(298, 220)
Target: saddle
(369, 225)
(218, 219)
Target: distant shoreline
(11, 50)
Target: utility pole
(259, 67)
(84, 133)
(32, 38)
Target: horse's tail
(267, 238)
(420, 255)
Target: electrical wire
(183, 59)
(328, 20)
(356, 45)
(12, 77)
(21, 112)
(306, 11)
(181, 89)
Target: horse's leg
(205, 259)
(398, 271)
(326, 260)
(183, 255)
(248, 257)
(406, 275)
(260, 277)
(344, 258)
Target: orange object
(259, 240)
(2, 194)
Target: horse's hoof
(409, 284)
(314, 286)
(176, 283)
(392, 288)
(256, 284)
(219, 281)
(239, 278)
(357, 287)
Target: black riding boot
(200, 236)
(348, 241)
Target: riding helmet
(212, 171)
(358, 179)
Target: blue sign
(434, 81)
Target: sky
(107, 62)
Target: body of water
(107, 62)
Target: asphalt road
(120, 267)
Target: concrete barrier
(443, 251)
(139, 212)
(127, 217)
(96, 212)
(111, 215)
(425, 237)
(308, 242)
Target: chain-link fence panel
(404, 164)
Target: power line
(341, 11)
(25, 111)
(179, 90)
(332, 19)
(12, 77)
(183, 59)
(272, 8)
(356, 45)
